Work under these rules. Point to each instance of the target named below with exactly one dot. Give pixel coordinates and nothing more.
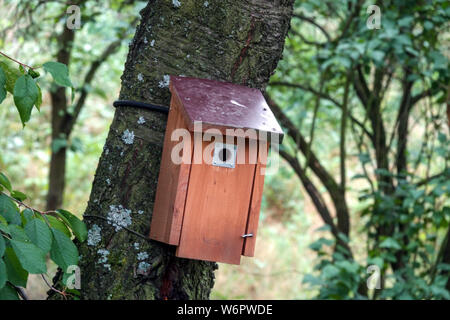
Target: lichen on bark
(237, 41)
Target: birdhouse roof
(223, 105)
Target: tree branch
(70, 118)
(324, 96)
(313, 22)
(319, 170)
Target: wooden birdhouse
(208, 203)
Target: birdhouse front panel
(217, 204)
(209, 208)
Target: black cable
(131, 103)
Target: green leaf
(63, 251)
(30, 256)
(8, 293)
(4, 181)
(57, 224)
(3, 274)
(2, 85)
(25, 96)
(317, 245)
(377, 56)
(78, 227)
(59, 72)
(3, 225)
(18, 195)
(27, 215)
(39, 99)
(330, 271)
(34, 74)
(390, 243)
(40, 234)
(325, 227)
(9, 210)
(17, 233)
(16, 274)
(11, 72)
(2, 246)
(58, 144)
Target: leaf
(40, 234)
(8, 293)
(325, 227)
(57, 224)
(25, 96)
(16, 274)
(330, 271)
(390, 243)
(30, 256)
(78, 227)
(3, 274)
(2, 85)
(317, 245)
(27, 215)
(3, 225)
(39, 99)
(59, 72)
(314, 281)
(34, 74)
(63, 251)
(377, 56)
(58, 144)
(18, 195)
(9, 210)
(4, 181)
(11, 72)
(17, 233)
(2, 246)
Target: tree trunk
(237, 41)
(57, 170)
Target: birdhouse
(212, 169)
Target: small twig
(129, 230)
(42, 213)
(22, 64)
(313, 125)
(64, 294)
(20, 203)
(313, 22)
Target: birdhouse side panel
(255, 203)
(172, 184)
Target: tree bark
(236, 41)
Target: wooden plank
(216, 211)
(255, 203)
(172, 185)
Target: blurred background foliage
(387, 201)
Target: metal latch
(247, 235)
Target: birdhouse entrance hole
(224, 155)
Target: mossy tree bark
(237, 41)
